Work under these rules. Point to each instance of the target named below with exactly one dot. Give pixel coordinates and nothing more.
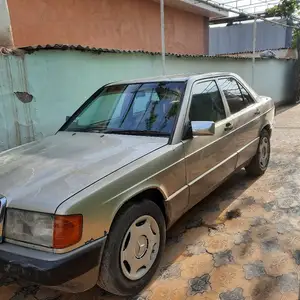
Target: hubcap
(140, 247)
(264, 152)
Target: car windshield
(141, 109)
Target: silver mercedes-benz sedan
(91, 204)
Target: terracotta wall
(121, 24)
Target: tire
(259, 163)
(115, 275)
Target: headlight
(29, 227)
(43, 229)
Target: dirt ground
(255, 256)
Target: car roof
(175, 78)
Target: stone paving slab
(255, 256)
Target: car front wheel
(133, 249)
(259, 163)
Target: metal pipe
(163, 44)
(259, 4)
(229, 2)
(253, 51)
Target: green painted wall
(60, 81)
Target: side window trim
(244, 99)
(224, 97)
(225, 104)
(241, 85)
(246, 89)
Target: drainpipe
(253, 51)
(162, 27)
(6, 38)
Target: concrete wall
(5, 29)
(117, 24)
(16, 117)
(60, 81)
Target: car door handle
(257, 112)
(228, 127)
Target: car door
(246, 117)
(209, 159)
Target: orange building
(115, 24)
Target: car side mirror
(67, 118)
(201, 128)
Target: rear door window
(247, 97)
(232, 91)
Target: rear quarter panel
(267, 108)
(266, 105)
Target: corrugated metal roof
(257, 51)
(238, 38)
(32, 49)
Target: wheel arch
(154, 194)
(268, 128)
(112, 277)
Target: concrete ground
(255, 256)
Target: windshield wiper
(137, 132)
(97, 129)
(100, 129)
(93, 129)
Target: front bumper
(49, 269)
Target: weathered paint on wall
(5, 28)
(118, 24)
(60, 81)
(16, 117)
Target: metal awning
(257, 7)
(249, 6)
(196, 7)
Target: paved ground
(255, 256)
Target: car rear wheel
(133, 249)
(259, 163)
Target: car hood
(40, 175)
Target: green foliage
(285, 9)
(296, 37)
